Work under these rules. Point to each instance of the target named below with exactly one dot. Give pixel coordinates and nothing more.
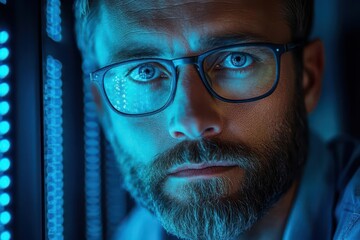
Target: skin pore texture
(264, 141)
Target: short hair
(297, 13)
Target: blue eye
(145, 72)
(237, 61)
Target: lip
(188, 170)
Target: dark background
(337, 22)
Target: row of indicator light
(53, 129)
(53, 149)
(92, 167)
(5, 141)
(53, 20)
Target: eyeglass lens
(235, 73)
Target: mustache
(206, 151)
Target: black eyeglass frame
(278, 49)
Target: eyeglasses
(235, 74)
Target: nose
(194, 113)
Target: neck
(272, 225)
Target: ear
(313, 67)
(103, 115)
(97, 98)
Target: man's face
(208, 169)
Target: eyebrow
(137, 52)
(228, 39)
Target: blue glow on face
(4, 89)
(4, 71)
(5, 235)
(4, 164)
(4, 199)
(4, 127)
(4, 145)
(4, 53)
(5, 217)
(5, 182)
(4, 36)
(4, 108)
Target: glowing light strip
(53, 20)
(5, 141)
(116, 205)
(92, 168)
(53, 149)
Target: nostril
(210, 130)
(194, 131)
(177, 134)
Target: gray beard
(211, 212)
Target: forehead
(184, 9)
(174, 25)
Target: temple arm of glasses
(292, 46)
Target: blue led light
(4, 53)
(4, 108)
(4, 36)
(4, 71)
(92, 167)
(4, 181)
(53, 148)
(115, 196)
(5, 235)
(4, 89)
(5, 217)
(53, 20)
(4, 164)
(4, 127)
(4, 145)
(4, 199)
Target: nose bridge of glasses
(193, 60)
(186, 60)
(193, 115)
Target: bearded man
(205, 104)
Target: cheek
(257, 122)
(142, 138)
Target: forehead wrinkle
(177, 34)
(151, 11)
(159, 4)
(132, 48)
(163, 22)
(172, 15)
